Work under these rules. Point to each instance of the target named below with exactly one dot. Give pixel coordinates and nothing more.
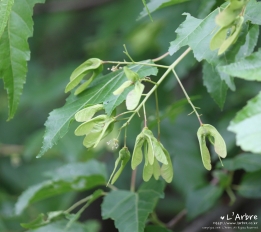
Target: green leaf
(14, 50)
(217, 88)
(5, 11)
(201, 200)
(130, 210)
(60, 226)
(156, 229)
(247, 161)
(248, 68)
(246, 126)
(250, 185)
(59, 120)
(71, 177)
(154, 5)
(252, 13)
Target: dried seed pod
(92, 66)
(219, 38)
(232, 38)
(205, 155)
(87, 113)
(131, 75)
(211, 133)
(137, 152)
(125, 85)
(167, 169)
(133, 97)
(124, 157)
(86, 127)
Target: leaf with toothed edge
(14, 50)
(5, 11)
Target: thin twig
(133, 180)
(172, 66)
(187, 96)
(157, 113)
(145, 117)
(161, 57)
(176, 219)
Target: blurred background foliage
(66, 33)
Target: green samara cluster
(94, 129)
(155, 153)
(230, 21)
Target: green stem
(231, 195)
(133, 180)
(188, 98)
(139, 63)
(160, 57)
(157, 113)
(145, 117)
(172, 66)
(156, 221)
(125, 137)
(127, 53)
(78, 203)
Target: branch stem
(133, 180)
(139, 63)
(187, 96)
(170, 68)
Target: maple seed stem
(138, 63)
(160, 57)
(170, 68)
(145, 117)
(133, 180)
(157, 113)
(188, 98)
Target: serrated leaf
(252, 13)
(59, 120)
(247, 161)
(130, 210)
(154, 5)
(248, 68)
(5, 10)
(203, 199)
(71, 177)
(217, 88)
(247, 126)
(14, 51)
(250, 185)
